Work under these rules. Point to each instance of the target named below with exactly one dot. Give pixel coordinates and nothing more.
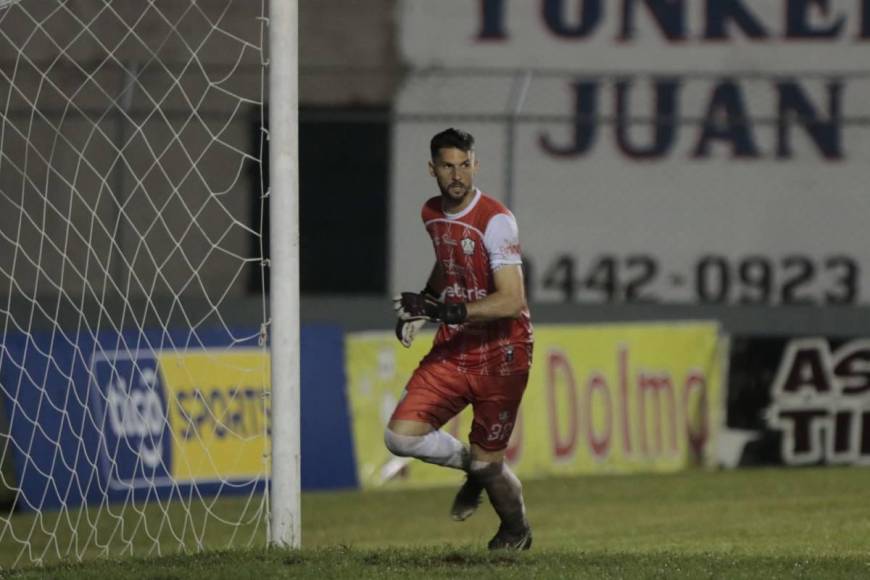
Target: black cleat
(511, 541)
(467, 499)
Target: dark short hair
(451, 139)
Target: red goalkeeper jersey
(470, 246)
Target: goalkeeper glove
(411, 306)
(407, 327)
(406, 330)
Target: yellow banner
(217, 413)
(615, 398)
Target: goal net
(134, 375)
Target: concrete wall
(129, 135)
(348, 52)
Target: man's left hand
(412, 306)
(406, 330)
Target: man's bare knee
(405, 438)
(433, 446)
(485, 465)
(480, 454)
(488, 466)
(405, 427)
(485, 471)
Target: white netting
(133, 362)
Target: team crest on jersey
(467, 246)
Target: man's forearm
(496, 306)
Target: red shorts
(437, 392)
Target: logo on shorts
(503, 416)
(467, 246)
(509, 354)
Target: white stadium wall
(663, 151)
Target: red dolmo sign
(653, 414)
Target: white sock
(504, 490)
(435, 447)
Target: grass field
(800, 523)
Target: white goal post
(284, 209)
(149, 386)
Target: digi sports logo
(821, 402)
(168, 418)
(129, 401)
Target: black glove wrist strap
(453, 313)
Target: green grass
(806, 523)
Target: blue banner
(137, 415)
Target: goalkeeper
(483, 348)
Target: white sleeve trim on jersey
(502, 241)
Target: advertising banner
(601, 399)
(799, 401)
(179, 418)
(134, 415)
(651, 150)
